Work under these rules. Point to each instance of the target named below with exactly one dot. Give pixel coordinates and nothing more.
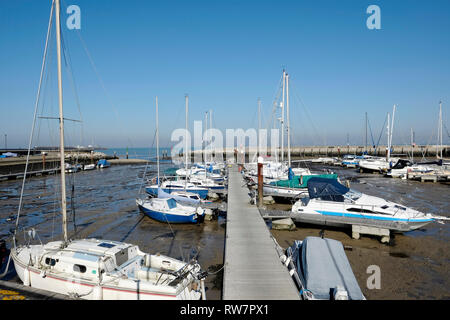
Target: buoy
(26, 277)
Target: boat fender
(200, 211)
(26, 277)
(43, 274)
(340, 293)
(287, 261)
(147, 260)
(97, 292)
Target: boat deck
(253, 270)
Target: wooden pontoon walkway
(253, 270)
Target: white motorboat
(321, 270)
(329, 198)
(91, 166)
(69, 168)
(375, 164)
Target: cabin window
(400, 207)
(171, 203)
(79, 268)
(50, 261)
(360, 210)
(106, 245)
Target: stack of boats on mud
(319, 266)
(395, 167)
(186, 197)
(72, 168)
(321, 198)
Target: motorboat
(103, 163)
(328, 198)
(321, 270)
(72, 168)
(168, 210)
(292, 188)
(91, 166)
(400, 169)
(403, 167)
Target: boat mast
(412, 145)
(186, 142)
(388, 154)
(440, 125)
(157, 138)
(282, 117)
(391, 131)
(210, 137)
(259, 126)
(61, 122)
(288, 123)
(365, 148)
(205, 158)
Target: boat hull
(170, 218)
(339, 219)
(35, 278)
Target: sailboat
(170, 186)
(95, 268)
(164, 208)
(379, 164)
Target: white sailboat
(378, 164)
(100, 269)
(164, 208)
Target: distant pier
(426, 151)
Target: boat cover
(102, 162)
(326, 189)
(301, 181)
(324, 266)
(163, 194)
(171, 171)
(401, 163)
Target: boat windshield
(171, 203)
(353, 195)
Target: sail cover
(185, 200)
(326, 189)
(300, 181)
(324, 266)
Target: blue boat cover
(326, 189)
(102, 162)
(291, 174)
(323, 265)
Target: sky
(225, 55)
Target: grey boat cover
(326, 189)
(323, 265)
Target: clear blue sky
(226, 54)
